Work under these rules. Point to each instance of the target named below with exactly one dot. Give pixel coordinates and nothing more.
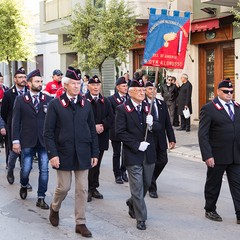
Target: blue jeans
(12, 158)
(27, 160)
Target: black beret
(21, 70)
(136, 83)
(34, 73)
(149, 84)
(121, 80)
(225, 84)
(94, 79)
(1, 74)
(73, 73)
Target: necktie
(139, 113)
(230, 112)
(123, 98)
(35, 102)
(95, 99)
(72, 101)
(20, 92)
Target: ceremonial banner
(167, 39)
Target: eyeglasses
(142, 90)
(227, 91)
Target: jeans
(12, 158)
(27, 160)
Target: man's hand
(54, 162)
(210, 162)
(99, 128)
(149, 120)
(3, 131)
(172, 145)
(16, 148)
(94, 162)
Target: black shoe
(41, 203)
(89, 198)
(131, 209)
(29, 187)
(124, 177)
(97, 194)
(118, 180)
(10, 177)
(23, 192)
(153, 194)
(213, 215)
(141, 225)
(187, 130)
(238, 220)
(181, 129)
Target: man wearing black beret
(118, 98)
(72, 147)
(133, 119)
(104, 119)
(219, 140)
(19, 88)
(27, 135)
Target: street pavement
(177, 214)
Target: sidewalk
(187, 144)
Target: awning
(206, 24)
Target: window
(39, 63)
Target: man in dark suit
(104, 119)
(19, 88)
(160, 113)
(72, 146)
(115, 100)
(139, 153)
(27, 135)
(184, 101)
(219, 140)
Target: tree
(16, 41)
(236, 13)
(99, 33)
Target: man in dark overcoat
(184, 101)
(103, 119)
(19, 88)
(139, 153)
(72, 146)
(160, 113)
(219, 140)
(118, 98)
(28, 118)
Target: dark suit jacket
(166, 130)
(219, 136)
(103, 115)
(131, 133)
(184, 97)
(70, 133)
(27, 124)
(115, 101)
(7, 108)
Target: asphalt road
(177, 214)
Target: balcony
(227, 3)
(53, 14)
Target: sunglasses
(227, 91)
